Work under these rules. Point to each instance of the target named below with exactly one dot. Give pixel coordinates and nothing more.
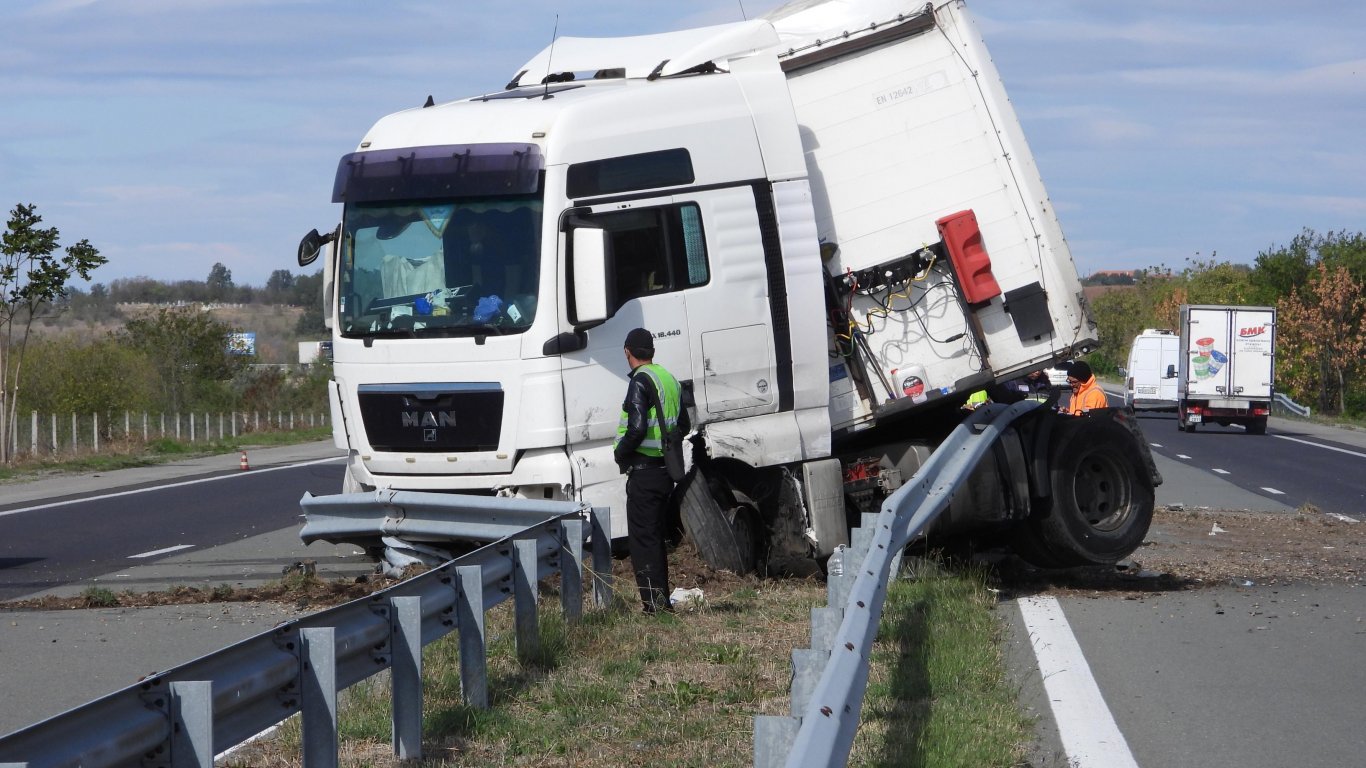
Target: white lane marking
(1220, 471)
(1343, 518)
(169, 485)
(1182, 456)
(1321, 445)
(156, 552)
(1087, 729)
(1155, 445)
(1269, 489)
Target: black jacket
(640, 396)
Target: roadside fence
(52, 434)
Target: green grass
(621, 688)
(938, 694)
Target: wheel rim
(1102, 492)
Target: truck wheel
(721, 526)
(1257, 426)
(1102, 501)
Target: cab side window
(655, 250)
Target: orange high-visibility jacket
(1089, 396)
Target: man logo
(428, 419)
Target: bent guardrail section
(186, 715)
(829, 679)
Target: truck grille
(432, 418)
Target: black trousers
(647, 505)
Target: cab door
(735, 373)
(649, 243)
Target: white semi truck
(1227, 372)
(831, 222)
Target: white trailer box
(1152, 371)
(910, 140)
(1227, 366)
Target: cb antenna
(743, 15)
(551, 56)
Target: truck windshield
(466, 266)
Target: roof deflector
(670, 53)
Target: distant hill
(1112, 277)
(273, 324)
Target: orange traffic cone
(243, 464)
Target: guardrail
(829, 679)
(186, 715)
(1287, 404)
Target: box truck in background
(1151, 375)
(1227, 370)
(831, 222)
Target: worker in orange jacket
(1086, 393)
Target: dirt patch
(303, 591)
(1192, 549)
(306, 591)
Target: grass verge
(938, 694)
(125, 455)
(622, 688)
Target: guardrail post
(807, 665)
(524, 574)
(318, 676)
(469, 600)
(192, 724)
(406, 677)
(602, 557)
(773, 737)
(825, 624)
(571, 569)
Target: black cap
(639, 338)
(1077, 369)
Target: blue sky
(176, 134)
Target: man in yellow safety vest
(653, 401)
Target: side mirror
(1171, 372)
(311, 244)
(589, 248)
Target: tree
(1322, 337)
(32, 279)
(189, 350)
(279, 286)
(219, 283)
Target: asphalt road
(1259, 676)
(73, 539)
(62, 659)
(1293, 464)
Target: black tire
(1257, 426)
(1102, 497)
(722, 528)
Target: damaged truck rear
(831, 222)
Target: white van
(1152, 370)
